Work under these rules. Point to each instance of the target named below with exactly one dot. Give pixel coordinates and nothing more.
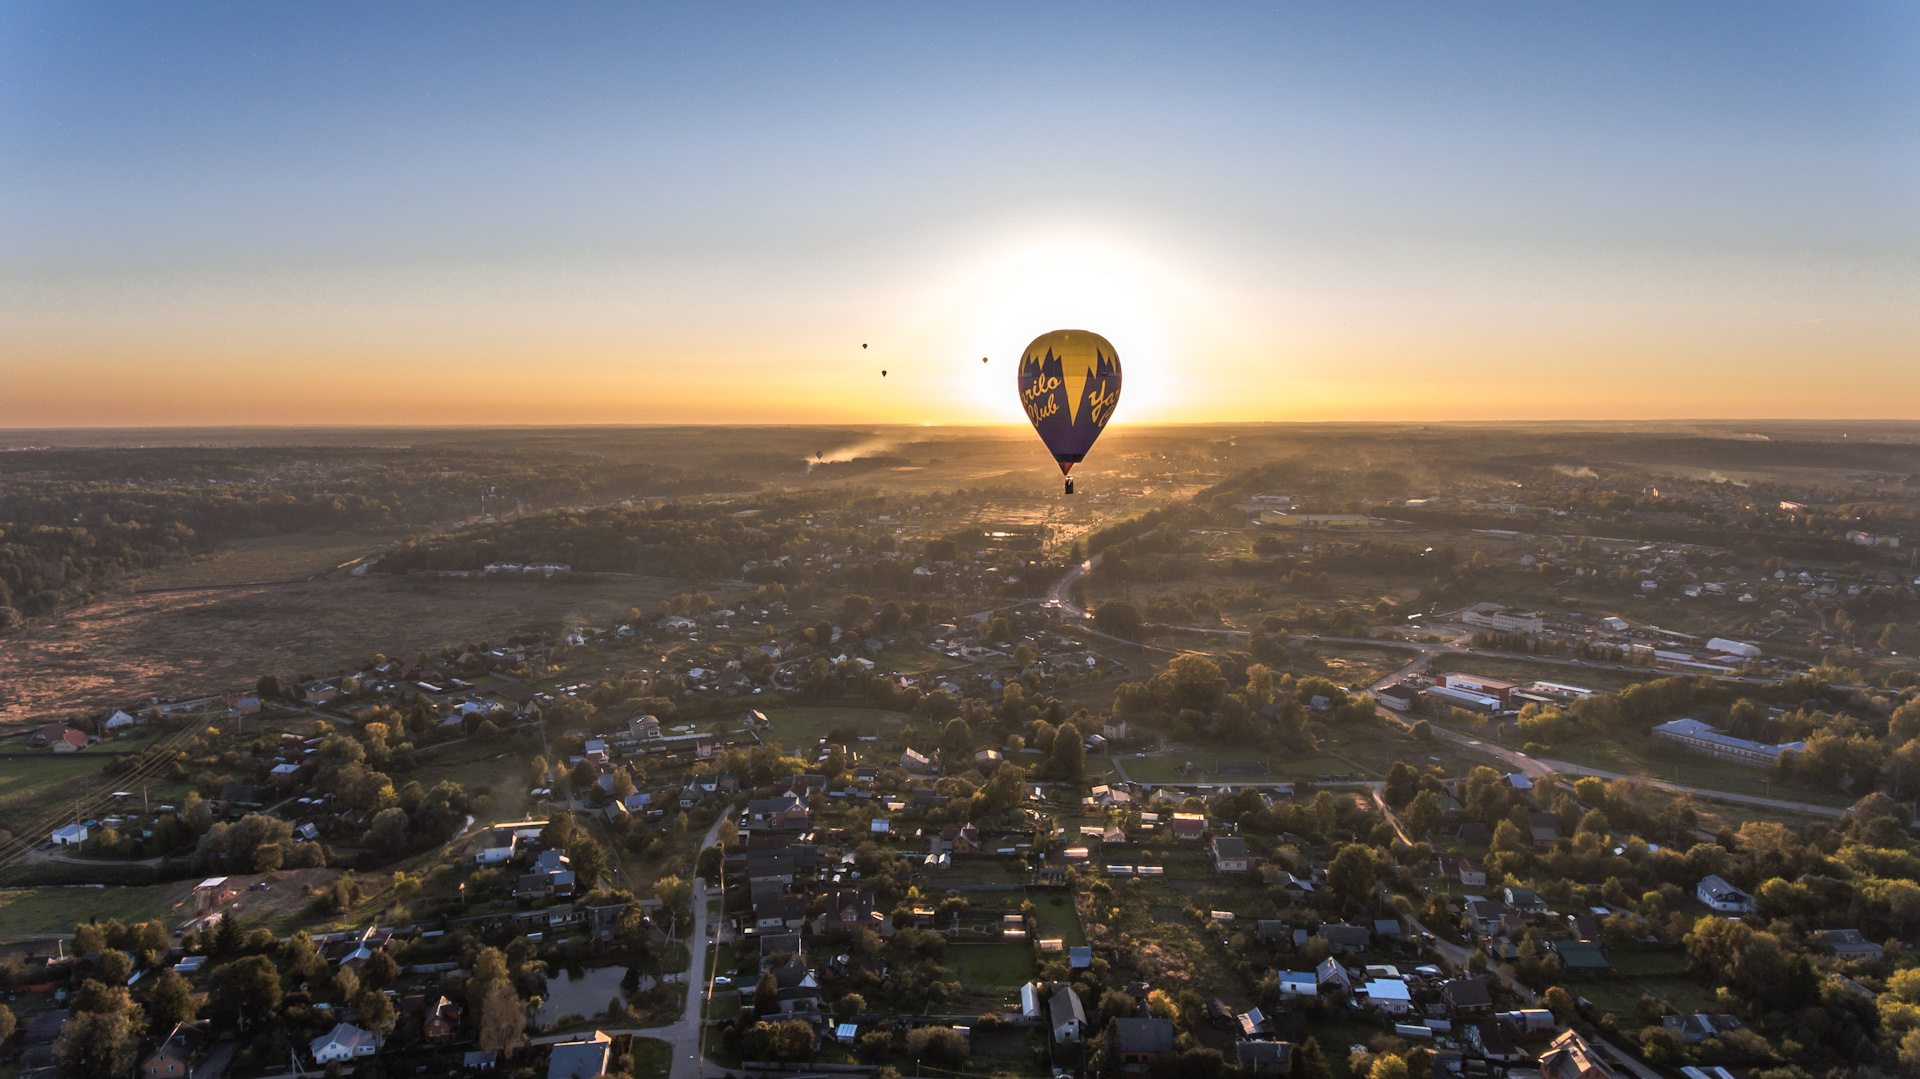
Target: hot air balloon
(1069, 384)
(883, 372)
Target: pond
(586, 994)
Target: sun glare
(1014, 297)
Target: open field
(1523, 671)
(29, 912)
(29, 779)
(1634, 756)
(296, 556)
(1054, 916)
(804, 725)
(992, 964)
(189, 644)
(1622, 998)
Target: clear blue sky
(204, 206)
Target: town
(1205, 780)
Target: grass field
(992, 964)
(652, 1058)
(28, 779)
(1366, 750)
(475, 763)
(1622, 998)
(802, 726)
(1055, 917)
(27, 912)
(191, 644)
(275, 558)
(1632, 755)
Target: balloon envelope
(1069, 384)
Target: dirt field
(188, 644)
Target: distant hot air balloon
(1069, 384)
(983, 359)
(883, 372)
(863, 344)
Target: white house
(1389, 995)
(1067, 1016)
(1723, 897)
(71, 835)
(118, 721)
(496, 848)
(344, 1042)
(1297, 984)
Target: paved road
(684, 1036)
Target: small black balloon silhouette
(883, 374)
(983, 359)
(863, 345)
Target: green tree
(1353, 874)
(938, 1046)
(1069, 757)
(376, 1012)
(1309, 1062)
(244, 991)
(1402, 782)
(588, 860)
(97, 1045)
(1422, 815)
(171, 1002)
(1119, 618)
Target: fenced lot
(998, 963)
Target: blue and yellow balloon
(1069, 384)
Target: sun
(1011, 297)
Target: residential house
(962, 840)
(175, 1055)
(917, 763)
(580, 1059)
(1719, 895)
(1294, 984)
(1472, 873)
(1264, 1057)
(1543, 828)
(59, 737)
(1230, 854)
(1330, 975)
(1570, 1057)
(1580, 954)
(1849, 944)
(1138, 1044)
(787, 813)
(344, 1042)
(1189, 826)
(779, 950)
(1467, 996)
(1066, 1016)
(1345, 938)
(1525, 901)
(1491, 918)
(442, 1022)
(853, 911)
(1693, 1029)
(1389, 995)
(497, 846)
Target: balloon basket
(1069, 484)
